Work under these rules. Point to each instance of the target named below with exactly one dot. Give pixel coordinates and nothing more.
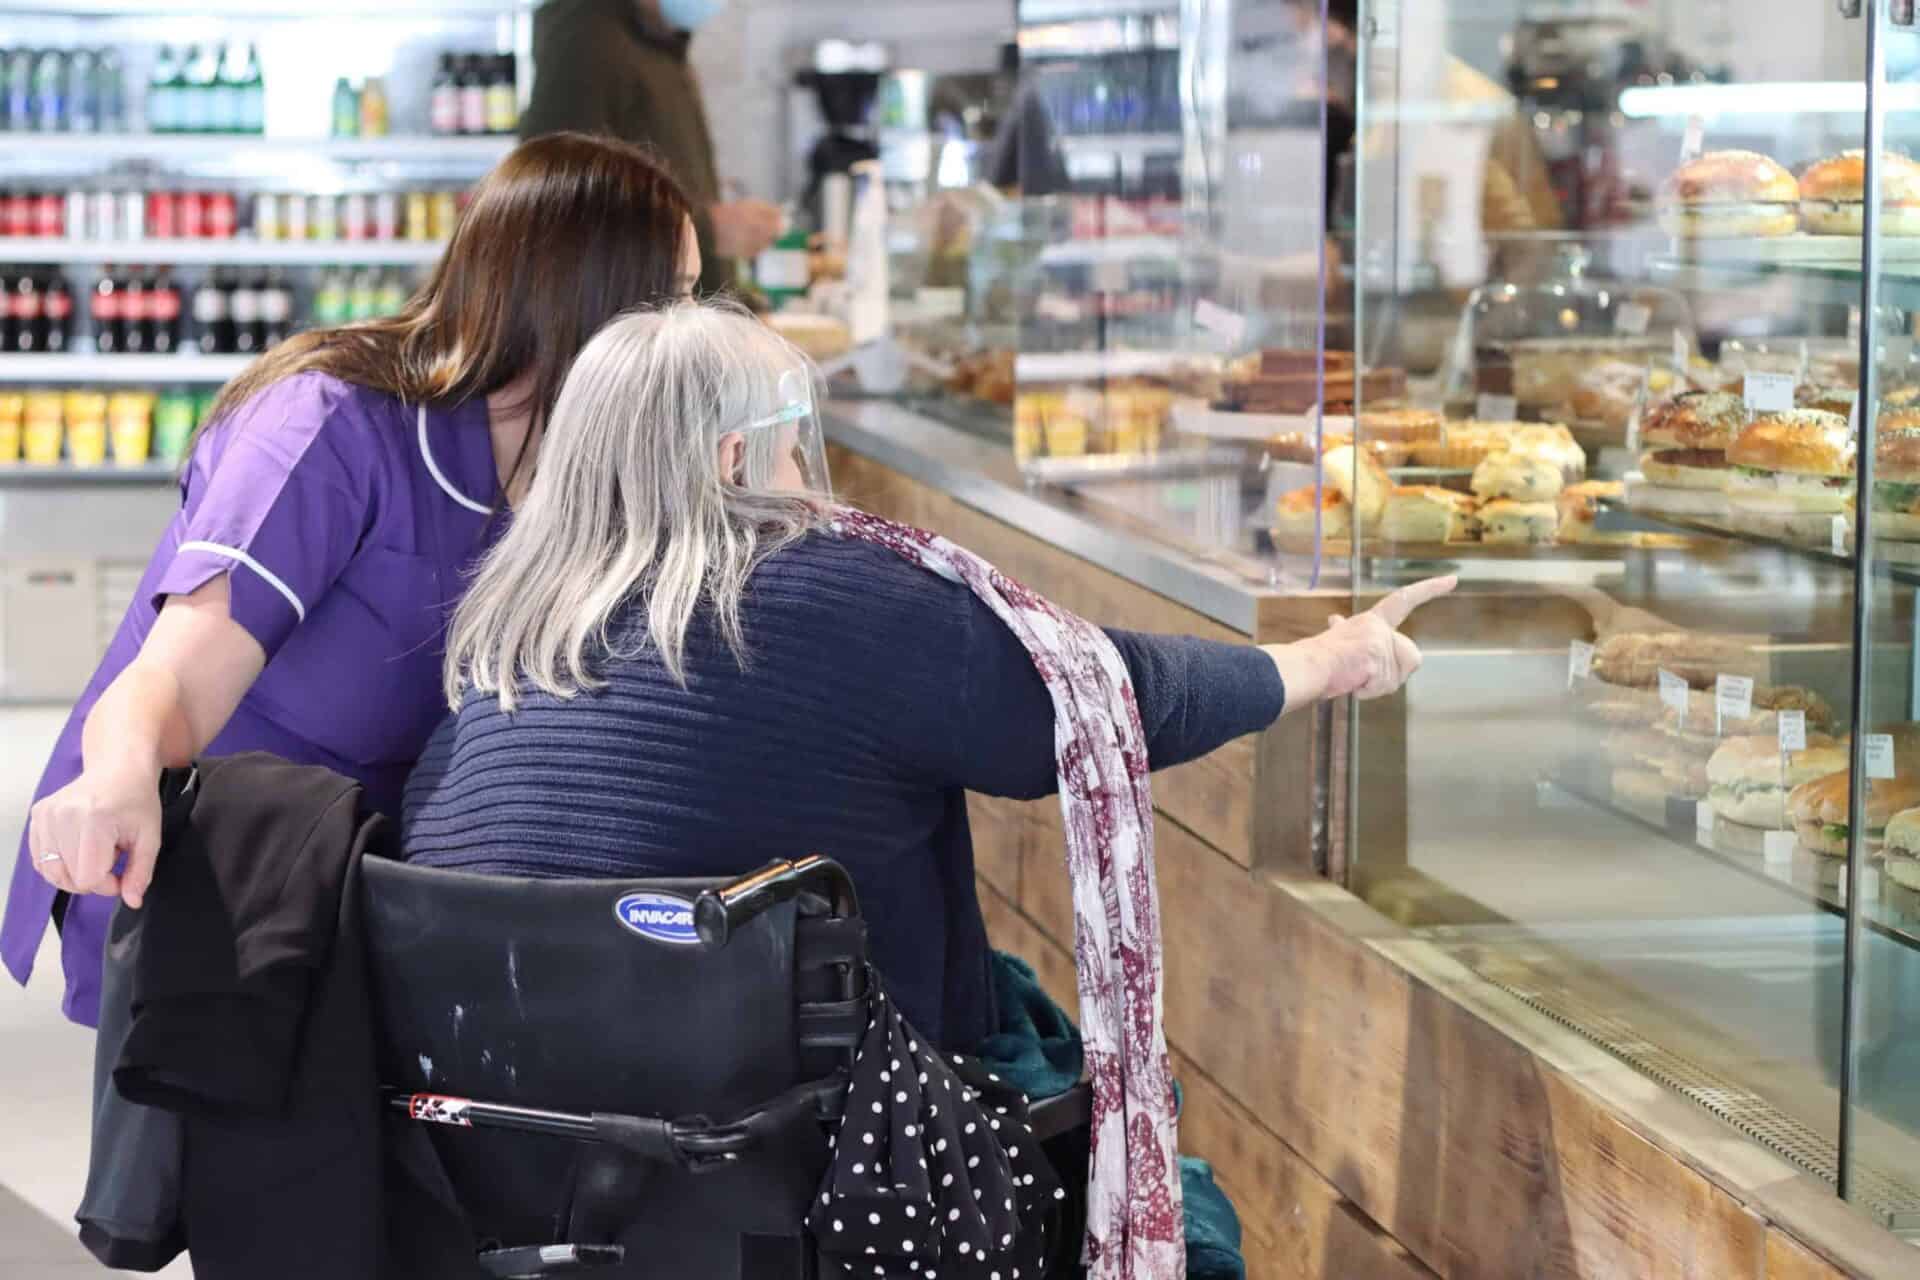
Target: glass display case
(1660, 776)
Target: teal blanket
(1037, 1049)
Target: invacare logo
(660, 917)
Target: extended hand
(76, 834)
(1364, 655)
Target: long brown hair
(567, 232)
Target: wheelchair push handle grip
(718, 912)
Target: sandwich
(1687, 439)
(1730, 194)
(1425, 513)
(1900, 854)
(1361, 480)
(1509, 520)
(1791, 463)
(1745, 783)
(1833, 198)
(1636, 658)
(1896, 476)
(1819, 809)
(1579, 507)
(1833, 399)
(1522, 477)
(1294, 515)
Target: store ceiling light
(1798, 98)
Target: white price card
(1777, 847)
(1632, 318)
(1793, 730)
(1703, 817)
(1732, 699)
(1769, 392)
(1853, 419)
(1492, 408)
(1216, 319)
(1694, 140)
(1837, 535)
(1682, 349)
(1579, 661)
(1673, 692)
(1879, 749)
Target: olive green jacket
(604, 66)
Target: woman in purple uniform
(297, 602)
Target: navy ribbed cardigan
(874, 697)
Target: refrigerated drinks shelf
(474, 153)
(69, 368)
(221, 253)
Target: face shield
(786, 450)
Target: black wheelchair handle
(718, 912)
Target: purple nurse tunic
(345, 520)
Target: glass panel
(1585, 795)
(1882, 1174)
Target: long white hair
(629, 504)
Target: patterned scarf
(1134, 1227)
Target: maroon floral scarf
(1134, 1225)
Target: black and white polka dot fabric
(934, 1170)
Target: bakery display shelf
(1381, 551)
(92, 367)
(1830, 282)
(1901, 560)
(63, 475)
(1164, 464)
(240, 151)
(223, 253)
(1808, 877)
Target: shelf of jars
(220, 253)
(93, 367)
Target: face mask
(690, 15)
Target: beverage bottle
(6, 99)
(58, 307)
(323, 220)
(330, 299)
(223, 91)
(26, 314)
(110, 90)
(104, 309)
(163, 312)
(135, 336)
(253, 94)
(172, 424)
(163, 95)
(502, 106)
(50, 92)
(243, 311)
(48, 210)
(210, 315)
(443, 109)
(419, 219)
(192, 85)
(356, 222)
(362, 296)
(373, 108)
(473, 96)
(390, 294)
(83, 93)
(8, 338)
(346, 109)
(276, 310)
(19, 90)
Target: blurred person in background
(619, 67)
(330, 511)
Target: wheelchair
(626, 1078)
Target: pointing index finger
(1394, 609)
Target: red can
(189, 215)
(222, 215)
(16, 213)
(161, 222)
(47, 214)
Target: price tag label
(1777, 847)
(1853, 420)
(1769, 392)
(1703, 817)
(1793, 731)
(1806, 362)
(1694, 140)
(1732, 699)
(1837, 535)
(1870, 883)
(1492, 408)
(1216, 319)
(1673, 692)
(1641, 399)
(1632, 318)
(1879, 749)
(1579, 661)
(1682, 349)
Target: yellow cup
(41, 441)
(84, 405)
(87, 443)
(9, 440)
(13, 404)
(132, 440)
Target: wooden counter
(1374, 1108)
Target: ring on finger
(51, 857)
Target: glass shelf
(66, 475)
(238, 253)
(92, 367)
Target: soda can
(163, 222)
(189, 215)
(296, 212)
(353, 217)
(222, 215)
(47, 209)
(324, 218)
(133, 216)
(266, 216)
(386, 216)
(78, 221)
(106, 215)
(16, 214)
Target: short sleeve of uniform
(278, 496)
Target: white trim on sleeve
(266, 575)
(433, 469)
